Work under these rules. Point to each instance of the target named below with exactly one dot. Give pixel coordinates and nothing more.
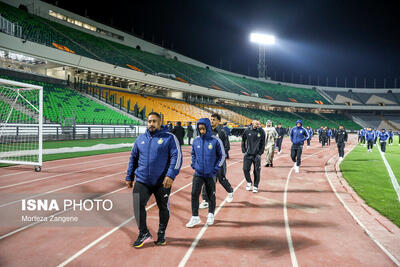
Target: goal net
(21, 121)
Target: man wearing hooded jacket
(155, 161)
(219, 132)
(297, 135)
(208, 156)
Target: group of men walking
(156, 159)
(368, 137)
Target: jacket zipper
(148, 156)
(203, 157)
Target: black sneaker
(161, 239)
(271, 165)
(142, 238)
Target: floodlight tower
(262, 40)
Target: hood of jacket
(207, 123)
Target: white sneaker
(248, 186)
(255, 189)
(279, 152)
(296, 169)
(340, 158)
(210, 219)
(203, 205)
(230, 197)
(195, 220)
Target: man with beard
(155, 161)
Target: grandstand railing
(59, 132)
(10, 28)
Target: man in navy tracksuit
(208, 156)
(390, 140)
(297, 135)
(369, 135)
(330, 134)
(310, 133)
(155, 161)
(383, 137)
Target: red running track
(294, 220)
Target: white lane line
(61, 166)
(397, 262)
(55, 214)
(56, 175)
(203, 230)
(395, 183)
(286, 217)
(90, 245)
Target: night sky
(343, 39)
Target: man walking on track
(270, 138)
(281, 133)
(189, 132)
(253, 145)
(324, 136)
(208, 156)
(383, 137)
(179, 132)
(310, 133)
(370, 138)
(219, 132)
(341, 139)
(297, 135)
(155, 161)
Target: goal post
(21, 123)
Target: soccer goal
(21, 122)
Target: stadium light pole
(262, 40)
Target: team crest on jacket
(301, 131)
(160, 141)
(142, 142)
(209, 146)
(258, 135)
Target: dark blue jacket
(369, 135)
(383, 136)
(154, 157)
(298, 134)
(208, 154)
(310, 132)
